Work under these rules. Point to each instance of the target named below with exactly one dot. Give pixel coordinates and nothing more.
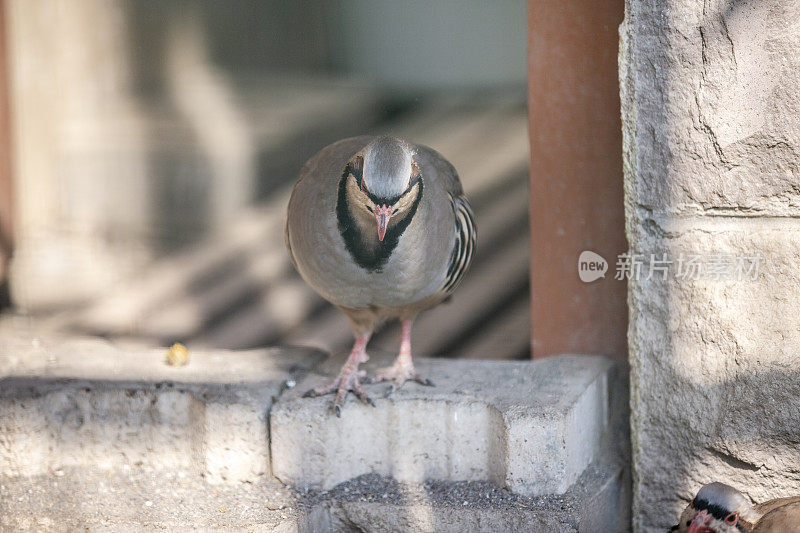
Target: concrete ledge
(532, 427)
(87, 403)
(107, 438)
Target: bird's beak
(699, 524)
(382, 216)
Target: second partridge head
(717, 508)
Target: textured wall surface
(711, 140)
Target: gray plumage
(724, 496)
(430, 256)
(387, 166)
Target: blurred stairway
(237, 289)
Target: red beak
(382, 216)
(699, 524)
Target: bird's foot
(401, 371)
(346, 381)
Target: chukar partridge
(381, 229)
(720, 508)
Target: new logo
(591, 266)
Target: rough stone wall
(710, 94)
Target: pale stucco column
(126, 141)
(78, 149)
(711, 140)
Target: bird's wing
(288, 242)
(464, 246)
(783, 518)
(446, 174)
(764, 508)
(465, 230)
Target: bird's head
(383, 181)
(717, 508)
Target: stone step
(87, 403)
(532, 427)
(227, 443)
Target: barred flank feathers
(464, 247)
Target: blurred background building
(154, 145)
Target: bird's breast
(411, 273)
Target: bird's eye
(688, 522)
(732, 518)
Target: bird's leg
(403, 368)
(347, 380)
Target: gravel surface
(75, 499)
(139, 498)
(376, 489)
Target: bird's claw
(424, 381)
(346, 381)
(398, 374)
(366, 399)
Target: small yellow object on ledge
(177, 355)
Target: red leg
(403, 367)
(347, 380)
